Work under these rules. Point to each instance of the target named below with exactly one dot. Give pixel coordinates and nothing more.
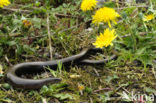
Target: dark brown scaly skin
(13, 75)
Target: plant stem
(49, 36)
(145, 26)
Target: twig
(154, 72)
(103, 89)
(6, 58)
(65, 16)
(96, 72)
(91, 73)
(49, 36)
(91, 100)
(125, 90)
(137, 6)
(17, 10)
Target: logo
(139, 97)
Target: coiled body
(13, 75)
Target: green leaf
(37, 22)
(110, 4)
(140, 51)
(150, 90)
(11, 43)
(88, 90)
(62, 96)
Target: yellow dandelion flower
(148, 17)
(88, 5)
(26, 23)
(105, 39)
(81, 87)
(105, 15)
(4, 3)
